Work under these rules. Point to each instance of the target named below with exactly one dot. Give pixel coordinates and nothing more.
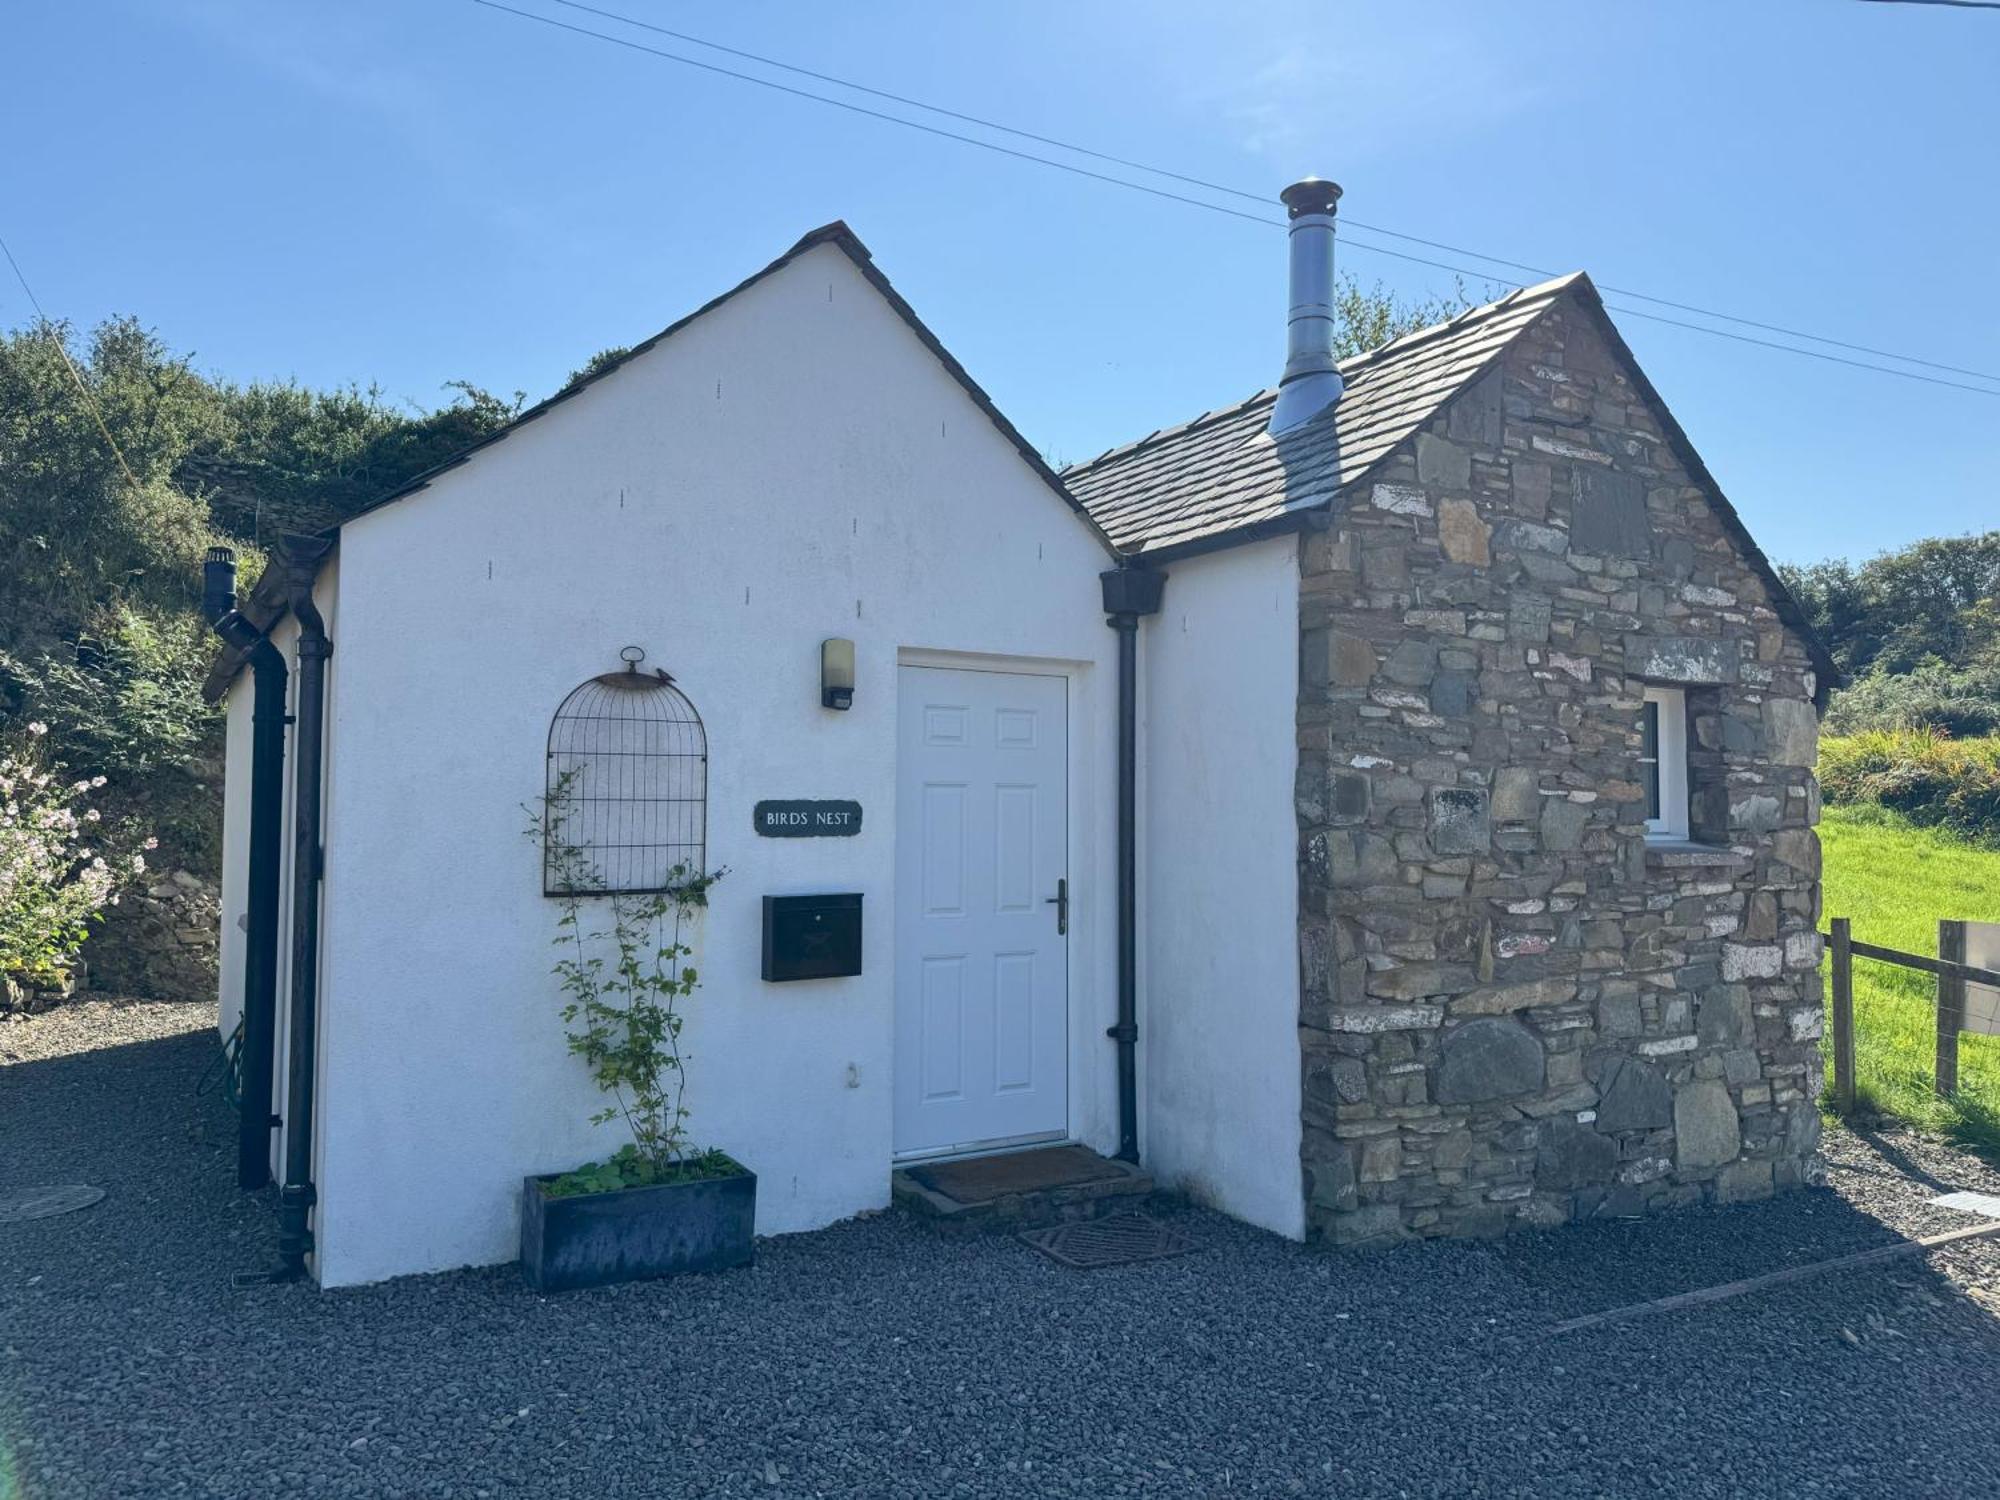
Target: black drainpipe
(300, 557)
(267, 795)
(1129, 592)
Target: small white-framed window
(1663, 762)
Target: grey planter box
(635, 1233)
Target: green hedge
(1929, 777)
(1962, 702)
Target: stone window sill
(1685, 854)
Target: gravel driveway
(875, 1360)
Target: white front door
(982, 992)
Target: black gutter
(1129, 592)
(300, 557)
(267, 794)
(1314, 517)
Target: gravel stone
(876, 1359)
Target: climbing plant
(625, 971)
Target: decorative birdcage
(627, 786)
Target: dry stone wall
(1514, 1008)
(161, 940)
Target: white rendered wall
(238, 725)
(795, 465)
(235, 850)
(327, 599)
(1219, 1006)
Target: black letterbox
(812, 937)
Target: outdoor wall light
(836, 673)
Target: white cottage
(1087, 860)
(798, 461)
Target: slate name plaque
(799, 819)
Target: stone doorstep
(1123, 1187)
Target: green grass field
(1894, 880)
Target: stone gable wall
(1513, 1011)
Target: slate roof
(1218, 480)
(1184, 489)
(1221, 480)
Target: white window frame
(1672, 823)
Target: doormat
(1121, 1240)
(46, 1202)
(984, 1178)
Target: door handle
(1060, 901)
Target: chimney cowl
(218, 583)
(1312, 380)
(1310, 195)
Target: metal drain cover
(1121, 1240)
(46, 1202)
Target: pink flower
(37, 728)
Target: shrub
(54, 879)
(1930, 601)
(126, 698)
(1923, 773)
(82, 526)
(1963, 702)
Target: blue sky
(415, 192)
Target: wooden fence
(1952, 974)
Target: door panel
(982, 988)
(943, 1028)
(943, 817)
(1013, 1022)
(1014, 870)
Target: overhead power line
(1192, 202)
(935, 109)
(1247, 194)
(89, 396)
